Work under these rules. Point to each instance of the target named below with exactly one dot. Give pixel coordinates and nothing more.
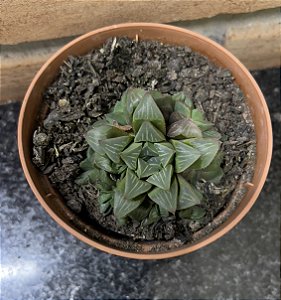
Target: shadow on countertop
(39, 260)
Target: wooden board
(34, 20)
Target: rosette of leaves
(147, 154)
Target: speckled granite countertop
(39, 260)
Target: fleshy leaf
(184, 128)
(149, 150)
(183, 109)
(119, 117)
(154, 161)
(165, 104)
(141, 212)
(147, 110)
(153, 217)
(163, 178)
(112, 147)
(175, 116)
(88, 176)
(88, 163)
(186, 155)
(134, 186)
(211, 134)
(131, 98)
(166, 153)
(148, 133)
(208, 149)
(213, 172)
(104, 202)
(167, 199)
(188, 195)
(183, 98)
(102, 132)
(195, 213)
(104, 163)
(145, 169)
(123, 206)
(130, 155)
(103, 182)
(198, 118)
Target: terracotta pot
(93, 234)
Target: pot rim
(96, 244)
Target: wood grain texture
(34, 20)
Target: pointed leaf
(213, 172)
(104, 163)
(130, 155)
(131, 98)
(198, 118)
(148, 133)
(167, 199)
(145, 169)
(119, 117)
(103, 182)
(102, 132)
(188, 195)
(123, 206)
(141, 212)
(211, 134)
(175, 116)
(166, 153)
(183, 109)
(182, 97)
(88, 177)
(112, 147)
(165, 104)
(88, 163)
(147, 110)
(154, 161)
(185, 155)
(149, 150)
(163, 178)
(208, 149)
(153, 217)
(134, 186)
(184, 128)
(104, 202)
(195, 213)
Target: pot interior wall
(53, 201)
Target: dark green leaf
(183, 98)
(149, 150)
(104, 163)
(165, 104)
(208, 149)
(119, 117)
(123, 206)
(131, 154)
(114, 146)
(166, 153)
(134, 186)
(95, 135)
(147, 110)
(188, 195)
(183, 109)
(195, 213)
(103, 182)
(154, 161)
(104, 202)
(198, 119)
(184, 128)
(148, 133)
(153, 217)
(167, 199)
(145, 169)
(211, 134)
(163, 178)
(88, 177)
(141, 212)
(213, 172)
(88, 163)
(131, 98)
(175, 116)
(185, 155)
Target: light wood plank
(34, 20)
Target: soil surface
(88, 86)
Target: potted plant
(145, 140)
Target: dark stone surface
(39, 260)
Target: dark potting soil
(88, 86)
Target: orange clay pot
(93, 234)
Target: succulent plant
(146, 155)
